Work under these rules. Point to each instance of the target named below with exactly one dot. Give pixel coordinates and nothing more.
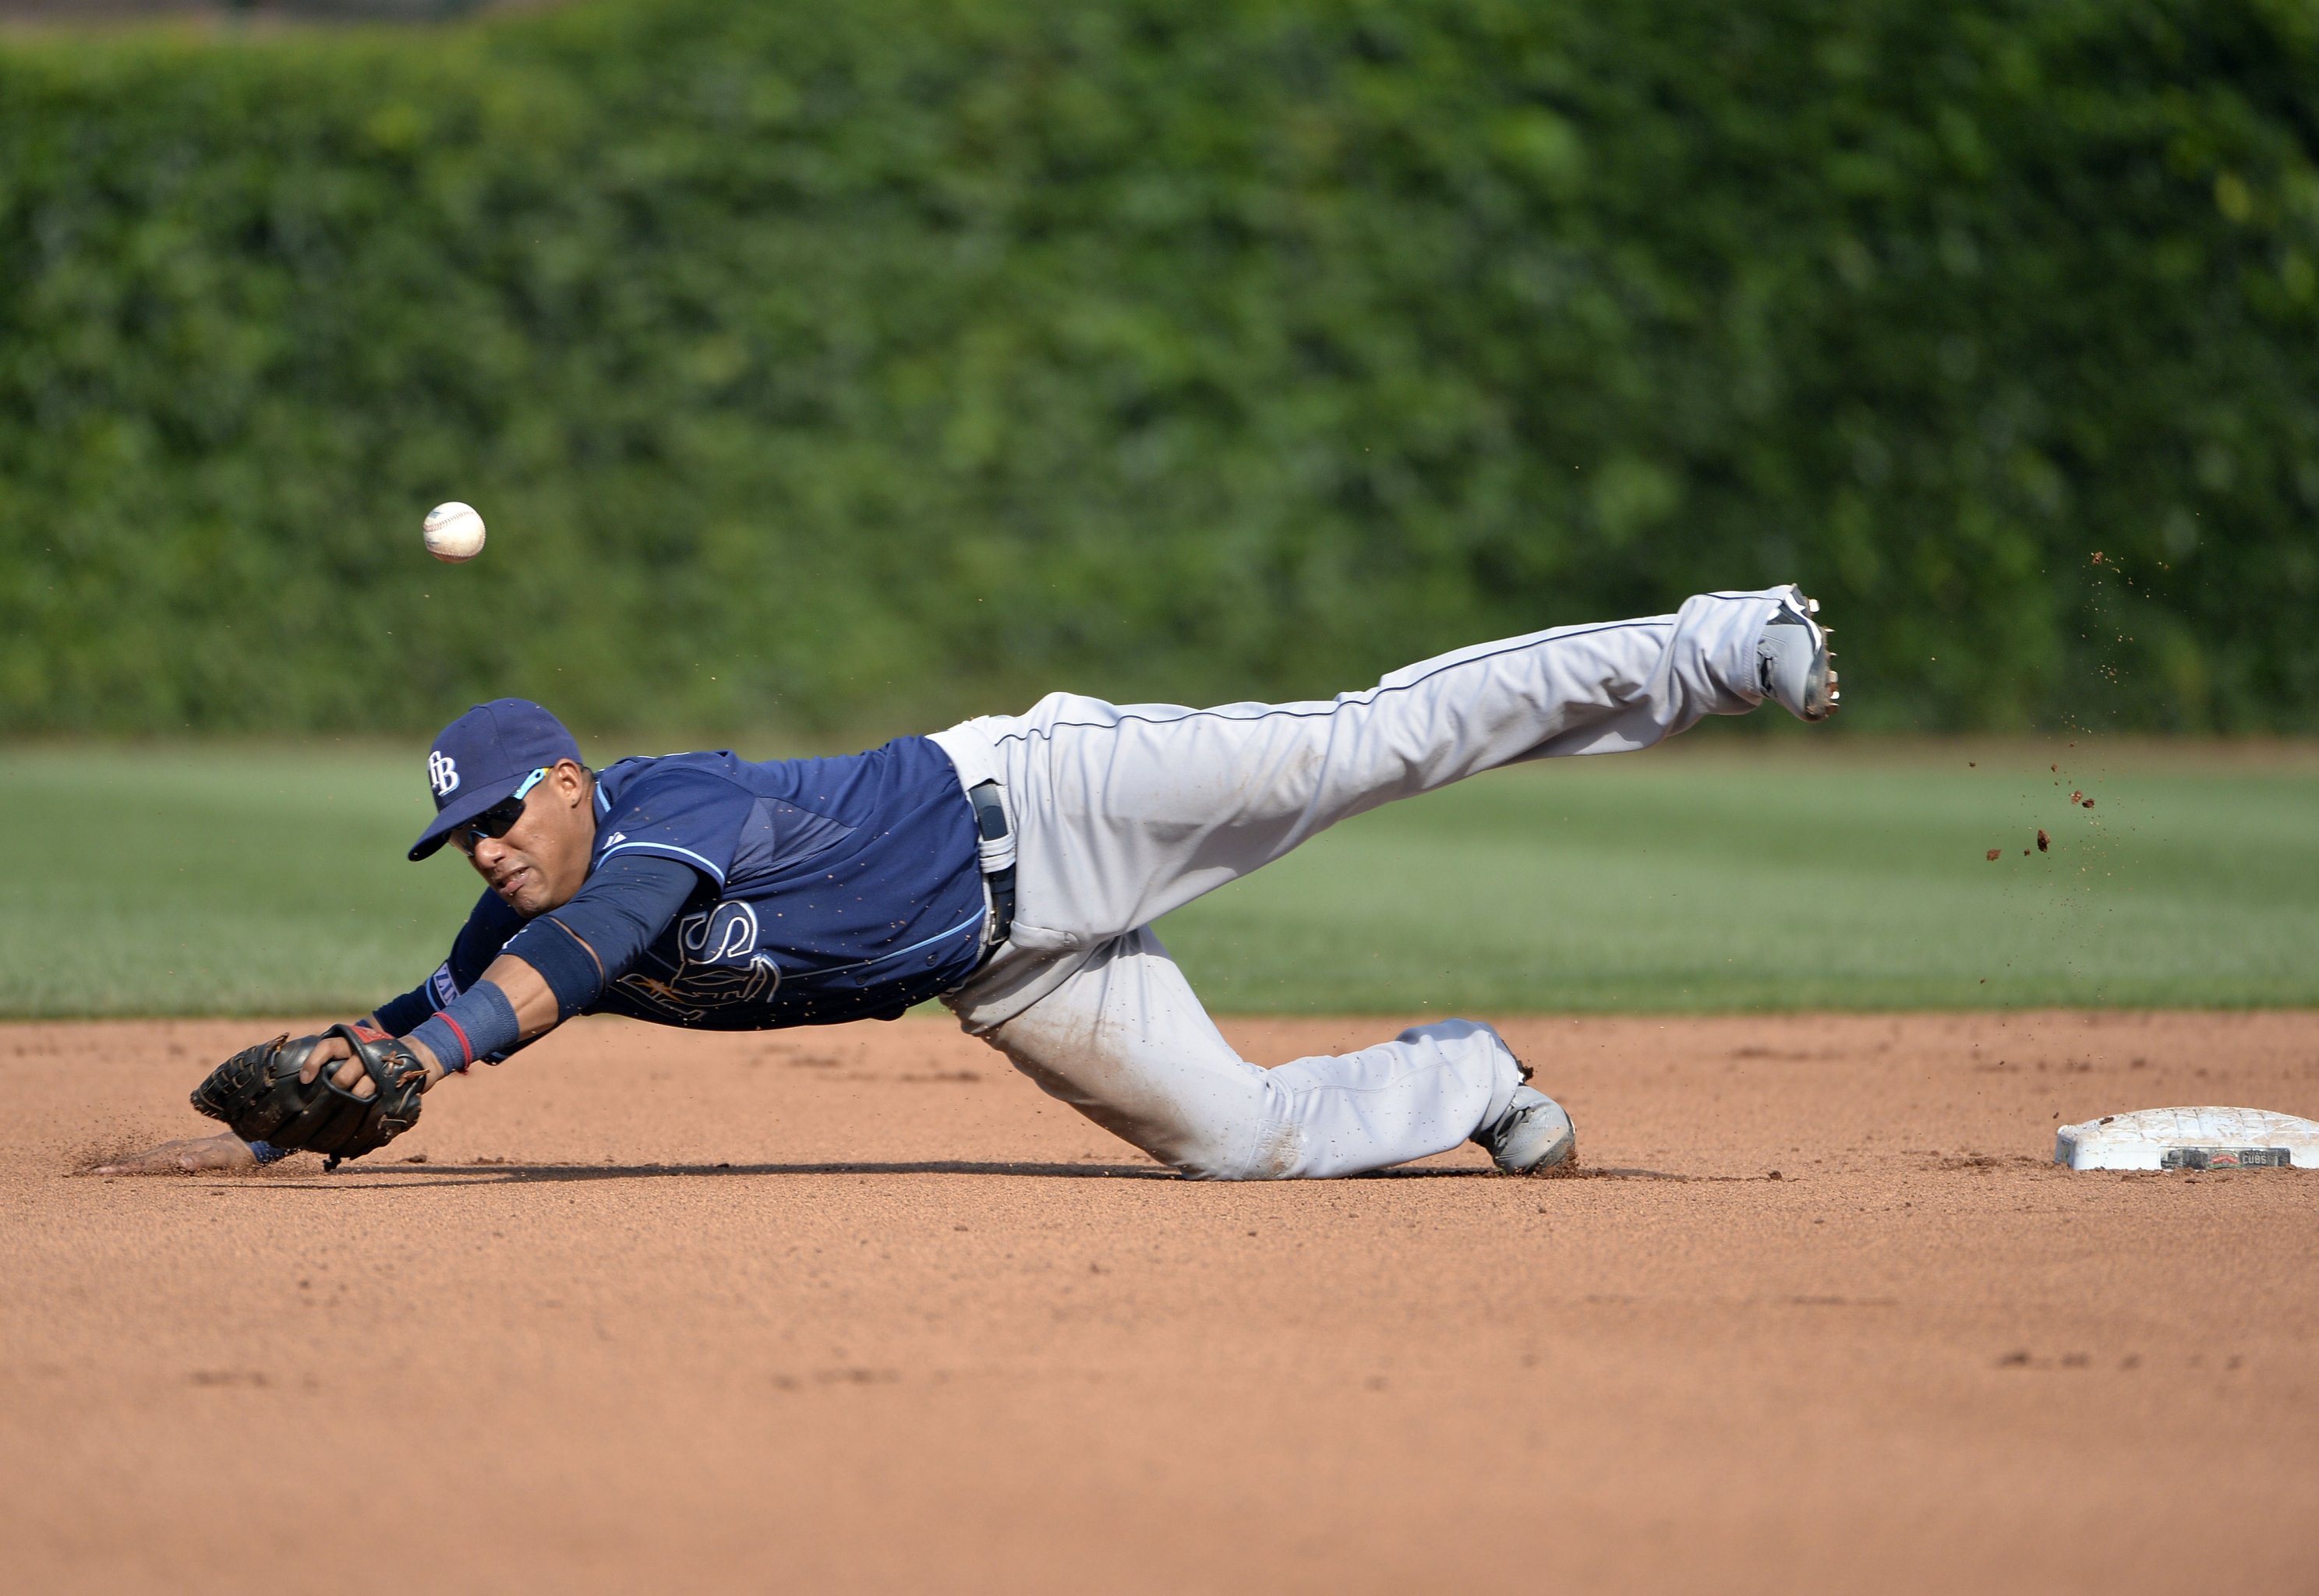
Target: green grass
(1854, 880)
(205, 881)
(209, 880)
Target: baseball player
(1012, 867)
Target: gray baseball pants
(1122, 813)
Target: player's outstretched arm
(519, 1006)
(625, 907)
(534, 1008)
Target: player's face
(542, 859)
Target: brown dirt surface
(860, 1311)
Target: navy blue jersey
(830, 889)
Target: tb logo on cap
(442, 773)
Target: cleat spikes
(1792, 654)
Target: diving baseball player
(1012, 867)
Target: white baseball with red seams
(454, 532)
(1121, 814)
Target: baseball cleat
(1792, 659)
(1533, 1136)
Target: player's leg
(1122, 814)
(1125, 1041)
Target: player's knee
(1270, 1151)
(1456, 1030)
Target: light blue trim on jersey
(685, 855)
(969, 923)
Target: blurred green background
(842, 366)
(1718, 874)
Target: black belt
(990, 824)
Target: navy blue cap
(484, 756)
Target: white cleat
(1792, 659)
(1534, 1136)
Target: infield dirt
(860, 1310)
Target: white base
(2189, 1138)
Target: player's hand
(194, 1155)
(351, 1076)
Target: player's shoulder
(664, 773)
(853, 788)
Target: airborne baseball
(454, 532)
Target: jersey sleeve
(623, 907)
(693, 817)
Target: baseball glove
(258, 1092)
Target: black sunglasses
(498, 820)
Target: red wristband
(465, 1046)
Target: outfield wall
(860, 363)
